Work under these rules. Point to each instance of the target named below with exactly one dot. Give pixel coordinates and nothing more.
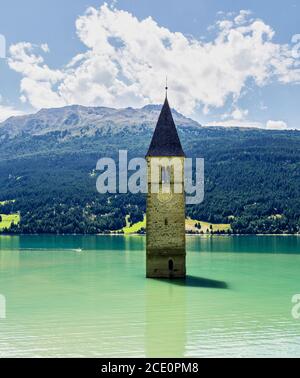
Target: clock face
(164, 197)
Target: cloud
(276, 125)
(237, 114)
(38, 83)
(45, 47)
(126, 61)
(242, 17)
(8, 111)
(236, 123)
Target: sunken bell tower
(165, 245)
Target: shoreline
(143, 235)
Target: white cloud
(8, 111)
(126, 61)
(276, 125)
(37, 84)
(236, 123)
(45, 47)
(241, 18)
(237, 114)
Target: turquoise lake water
(87, 296)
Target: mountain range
(48, 160)
(76, 120)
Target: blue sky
(224, 66)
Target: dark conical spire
(165, 140)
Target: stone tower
(165, 201)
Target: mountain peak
(78, 120)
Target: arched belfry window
(165, 175)
(166, 222)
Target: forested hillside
(47, 165)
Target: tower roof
(165, 140)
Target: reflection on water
(165, 320)
(88, 296)
(9, 252)
(9, 243)
(247, 244)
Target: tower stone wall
(166, 252)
